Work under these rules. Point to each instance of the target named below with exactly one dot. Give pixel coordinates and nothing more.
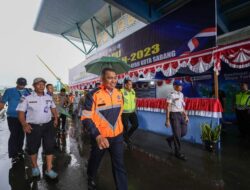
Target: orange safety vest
(102, 112)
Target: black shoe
(180, 156)
(91, 184)
(169, 143)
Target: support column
(216, 85)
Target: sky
(19, 45)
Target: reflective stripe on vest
(129, 100)
(248, 103)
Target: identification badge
(46, 109)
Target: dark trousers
(179, 129)
(242, 121)
(132, 118)
(44, 133)
(63, 123)
(16, 139)
(116, 152)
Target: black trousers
(243, 121)
(132, 118)
(44, 133)
(63, 123)
(116, 152)
(179, 129)
(16, 139)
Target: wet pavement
(150, 165)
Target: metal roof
(59, 16)
(82, 20)
(231, 14)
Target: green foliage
(208, 133)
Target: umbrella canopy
(96, 66)
(64, 111)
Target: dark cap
(39, 79)
(21, 81)
(178, 83)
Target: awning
(77, 20)
(59, 16)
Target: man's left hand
(56, 122)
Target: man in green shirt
(241, 109)
(129, 111)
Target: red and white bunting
(236, 55)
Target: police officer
(177, 118)
(34, 113)
(102, 115)
(12, 96)
(241, 108)
(129, 110)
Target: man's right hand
(27, 128)
(167, 124)
(102, 142)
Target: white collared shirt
(38, 108)
(176, 101)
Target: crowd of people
(107, 113)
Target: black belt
(41, 124)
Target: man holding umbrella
(102, 115)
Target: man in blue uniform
(12, 96)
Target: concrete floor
(151, 165)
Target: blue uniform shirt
(13, 96)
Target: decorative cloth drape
(236, 55)
(206, 107)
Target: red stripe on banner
(195, 42)
(212, 29)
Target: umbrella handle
(101, 70)
(110, 66)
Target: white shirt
(76, 102)
(38, 108)
(77, 99)
(176, 101)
